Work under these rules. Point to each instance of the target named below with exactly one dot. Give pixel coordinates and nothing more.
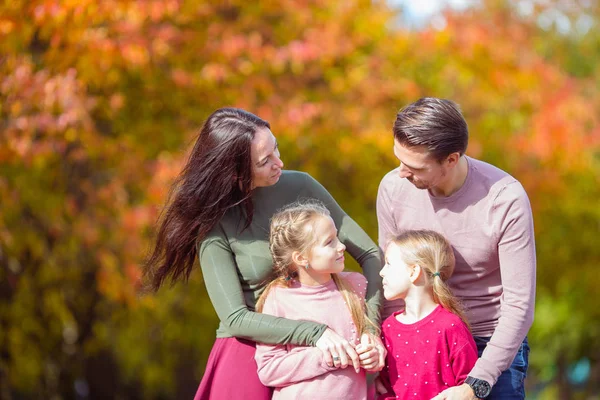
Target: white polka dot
(438, 352)
(431, 320)
(406, 342)
(455, 343)
(439, 331)
(407, 365)
(425, 362)
(417, 331)
(398, 335)
(415, 352)
(452, 324)
(415, 374)
(406, 384)
(397, 355)
(427, 341)
(426, 382)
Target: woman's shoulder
(292, 177)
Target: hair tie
(437, 274)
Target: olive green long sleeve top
(237, 265)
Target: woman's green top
(237, 265)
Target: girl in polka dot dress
(310, 285)
(429, 344)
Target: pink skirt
(231, 373)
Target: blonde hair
(432, 252)
(292, 229)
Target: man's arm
(516, 250)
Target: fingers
(341, 354)
(337, 351)
(365, 338)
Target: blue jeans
(511, 384)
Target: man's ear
(299, 259)
(452, 159)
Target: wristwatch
(481, 388)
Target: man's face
(418, 167)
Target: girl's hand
(371, 352)
(338, 352)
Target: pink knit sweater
(300, 372)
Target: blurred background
(101, 100)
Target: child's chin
(390, 296)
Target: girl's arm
(358, 244)
(383, 385)
(279, 367)
(463, 353)
(225, 291)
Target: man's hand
(462, 392)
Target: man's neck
(454, 180)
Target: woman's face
(266, 164)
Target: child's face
(327, 255)
(395, 274)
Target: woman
(220, 209)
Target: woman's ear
(299, 259)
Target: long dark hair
(216, 177)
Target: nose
(382, 273)
(342, 247)
(277, 161)
(403, 171)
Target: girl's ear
(415, 272)
(299, 259)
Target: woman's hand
(338, 352)
(371, 352)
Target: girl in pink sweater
(429, 344)
(310, 285)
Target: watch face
(482, 389)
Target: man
(486, 216)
